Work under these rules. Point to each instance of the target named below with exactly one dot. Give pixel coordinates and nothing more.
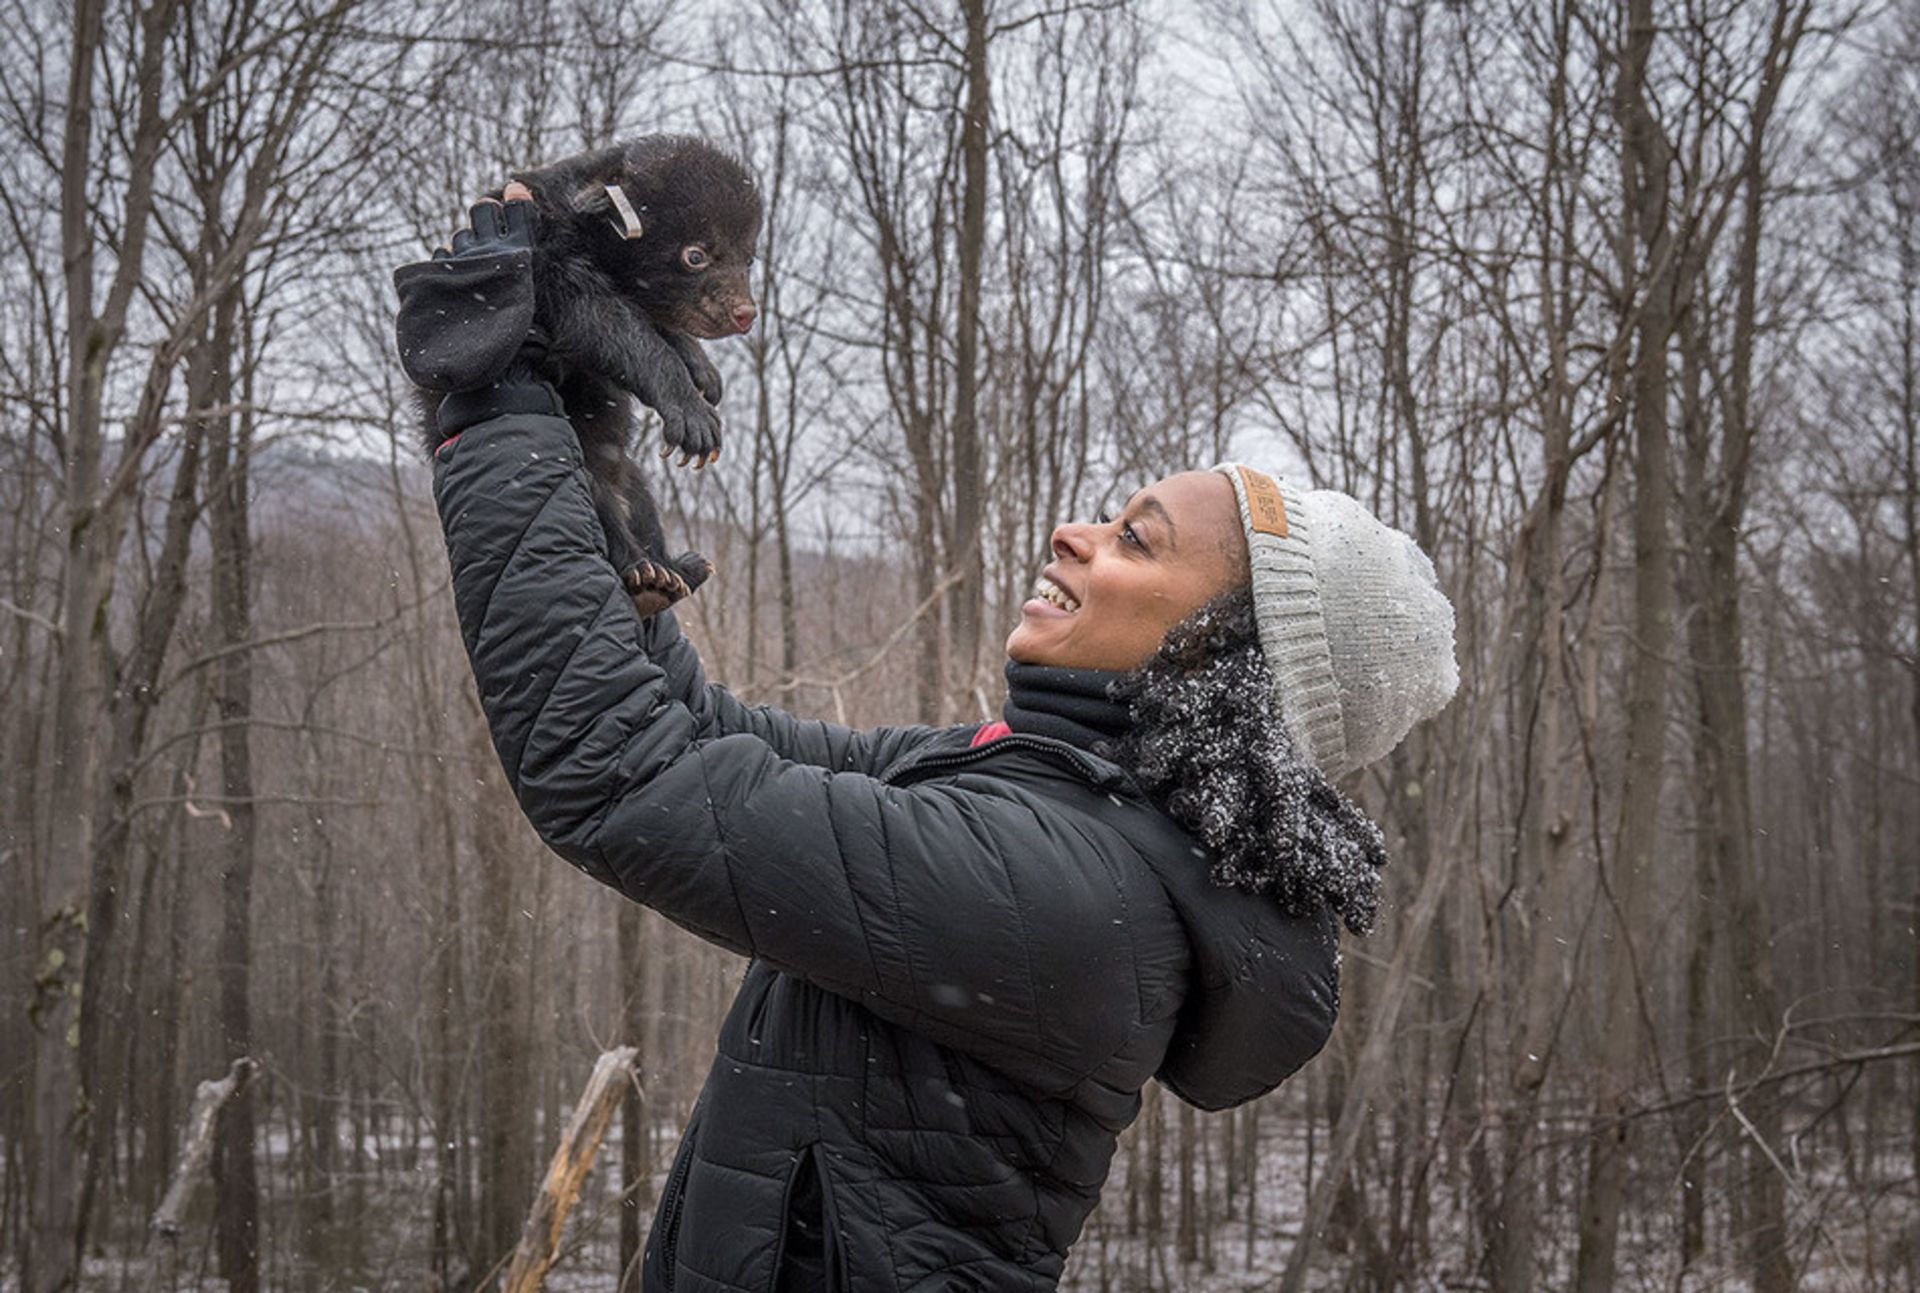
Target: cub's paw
(693, 568)
(654, 586)
(692, 428)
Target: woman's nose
(1071, 542)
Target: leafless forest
(1615, 307)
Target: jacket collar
(1068, 705)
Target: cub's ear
(611, 201)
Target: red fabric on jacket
(991, 732)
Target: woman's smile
(1049, 597)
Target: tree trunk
(131, 705)
(1187, 1219)
(238, 1195)
(163, 1065)
(505, 1068)
(964, 545)
(635, 1180)
(1542, 867)
(323, 1103)
(448, 1228)
(1717, 515)
(51, 1254)
(1695, 1124)
(1648, 257)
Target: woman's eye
(1126, 531)
(693, 258)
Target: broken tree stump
(572, 1160)
(169, 1219)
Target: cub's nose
(743, 315)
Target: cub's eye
(693, 257)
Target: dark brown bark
(237, 1191)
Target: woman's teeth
(1048, 591)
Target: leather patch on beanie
(1264, 504)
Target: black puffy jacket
(967, 962)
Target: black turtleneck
(1070, 705)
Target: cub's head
(674, 222)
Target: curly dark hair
(1208, 746)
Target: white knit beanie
(1352, 620)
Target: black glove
(467, 314)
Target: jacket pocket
(810, 1257)
(830, 1225)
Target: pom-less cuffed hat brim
(1286, 606)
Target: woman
(971, 947)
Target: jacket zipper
(1060, 751)
(836, 1251)
(676, 1195)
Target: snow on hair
(1208, 745)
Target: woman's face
(1116, 586)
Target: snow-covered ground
(1852, 1233)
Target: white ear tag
(628, 225)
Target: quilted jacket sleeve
(971, 915)
(718, 712)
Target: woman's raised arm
(984, 917)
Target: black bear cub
(639, 250)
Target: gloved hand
(466, 315)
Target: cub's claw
(654, 586)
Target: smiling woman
(1248, 642)
(972, 947)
